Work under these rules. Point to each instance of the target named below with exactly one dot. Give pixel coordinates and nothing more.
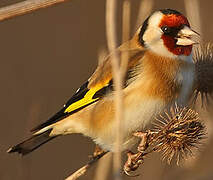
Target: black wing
(77, 97)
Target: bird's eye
(166, 29)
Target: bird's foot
(144, 143)
(133, 162)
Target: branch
(25, 7)
(111, 7)
(80, 172)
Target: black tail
(32, 143)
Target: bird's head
(167, 33)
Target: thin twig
(84, 169)
(24, 7)
(111, 40)
(103, 167)
(125, 36)
(144, 11)
(194, 18)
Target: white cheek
(152, 37)
(153, 41)
(159, 48)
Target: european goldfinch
(160, 71)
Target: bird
(160, 71)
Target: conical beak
(185, 36)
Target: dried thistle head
(203, 59)
(177, 133)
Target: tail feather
(32, 143)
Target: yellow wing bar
(87, 99)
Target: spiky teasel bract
(203, 59)
(177, 133)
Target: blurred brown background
(45, 57)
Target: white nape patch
(155, 19)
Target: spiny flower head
(177, 133)
(203, 60)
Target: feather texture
(98, 85)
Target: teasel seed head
(203, 59)
(177, 133)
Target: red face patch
(170, 43)
(175, 21)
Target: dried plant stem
(111, 40)
(80, 172)
(125, 36)
(191, 7)
(144, 11)
(25, 7)
(103, 167)
(178, 132)
(118, 72)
